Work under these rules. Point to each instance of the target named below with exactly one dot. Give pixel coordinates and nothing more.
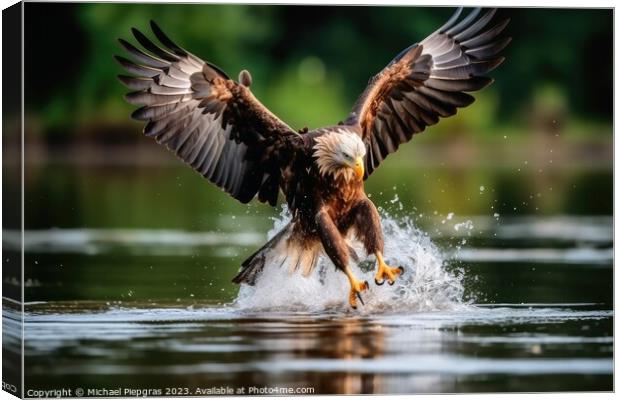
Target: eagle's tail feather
(281, 251)
(307, 258)
(254, 264)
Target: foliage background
(539, 139)
(309, 63)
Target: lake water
(454, 323)
(137, 295)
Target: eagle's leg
(368, 231)
(338, 251)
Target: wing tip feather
(123, 61)
(136, 32)
(488, 83)
(138, 114)
(496, 63)
(124, 79)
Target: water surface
(521, 304)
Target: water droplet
(467, 225)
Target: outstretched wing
(212, 123)
(427, 81)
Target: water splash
(425, 286)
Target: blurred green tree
(309, 63)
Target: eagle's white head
(340, 153)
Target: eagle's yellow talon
(356, 288)
(386, 272)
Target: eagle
(219, 128)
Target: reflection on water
(481, 348)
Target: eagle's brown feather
(211, 122)
(427, 81)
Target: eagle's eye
(347, 156)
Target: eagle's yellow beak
(359, 168)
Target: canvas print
(225, 199)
